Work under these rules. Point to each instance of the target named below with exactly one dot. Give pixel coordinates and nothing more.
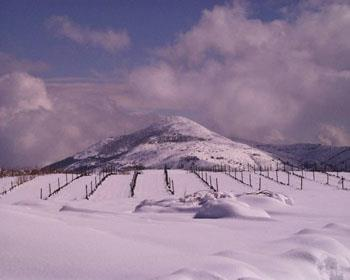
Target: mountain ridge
(174, 141)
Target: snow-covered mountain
(311, 155)
(172, 141)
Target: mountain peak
(173, 140)
(183, 126)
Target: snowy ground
(295, 234)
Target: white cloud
(279, 81)
(21, 93)
(256, 78)
(108, 39)
(334, 135)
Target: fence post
(217, 184)
(301, 183)
(288, 178)
(41, 193)
(250, 180)
(327, 179)
(49, 189)
(259, 183)
(86, 192)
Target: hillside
(173, 141)
(311, 155)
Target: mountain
(310, 155)
(173, 141)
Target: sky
(75, 72)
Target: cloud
(11, 64)
(43, 121)
(261, 80)
(108, 39)
(278, 81)
(334, 135)
(21, 93)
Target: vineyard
(228, 222)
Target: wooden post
(268, 173)
(210, 180)
(277, 175)
(206, 177)
(86, 192)
(95, 182)
(288, 183)
(327, 179)
(172, 186)
(250, 180)
(217, 184)
(49, 189)
(41, 193)
(91, 187)
(242, 176)
(58, 182)
(301, 183)
(259, 183)
(313, 174)
(342, 183)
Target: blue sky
(150, 24)
(74, 72)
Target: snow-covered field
(280, 233)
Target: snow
(229, 208)
(5, 183)
(30, 190)
(278, 232)
(173, 141)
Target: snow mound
(337, 228)
(308, 231)
(266, 197)
(322, 256)
(217, 268)
(190, 203)
(191, 274)
(67, 208)
(205, 204)
(229, 208)
(165, 206)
